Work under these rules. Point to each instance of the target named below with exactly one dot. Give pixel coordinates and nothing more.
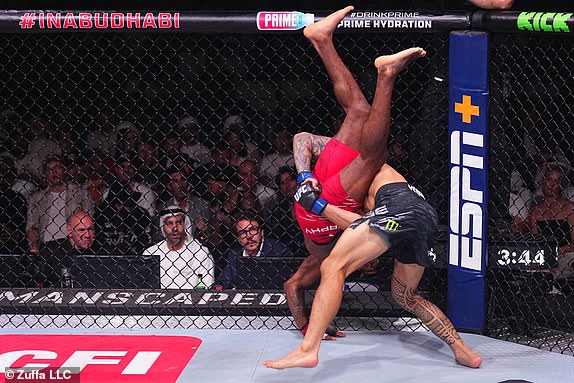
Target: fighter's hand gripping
(309, 199)
(307, 177)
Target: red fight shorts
(332, 160)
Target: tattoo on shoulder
(318, 144)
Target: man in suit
(251, 242)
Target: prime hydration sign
(468, 123)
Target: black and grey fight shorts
(405, 220)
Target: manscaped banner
(176, 302)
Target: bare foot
(296, 358)
(323, 29)
(391, 65)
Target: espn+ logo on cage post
(467, 212)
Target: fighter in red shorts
(346, 164)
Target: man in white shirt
(283, 156)
(189, 131)
(184, 262)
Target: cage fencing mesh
(128, 128)
(530, 277)
(132, 127)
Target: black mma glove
(309, 199)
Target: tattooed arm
(306, 148)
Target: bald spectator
(48, 208)
(57, 259)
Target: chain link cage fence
(129, 129)
(530, 277)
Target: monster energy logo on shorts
(392, 225)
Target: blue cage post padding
(468, 127)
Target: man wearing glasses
(251, 242)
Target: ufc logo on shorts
(466, 212)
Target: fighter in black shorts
(399, 216)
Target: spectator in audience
(178, 188)
(95, 172)
(57, 258)
(74, 163)
(234, 150)
(39, 135)
(222, 195)
(283, 156)
(48, 208)
(189, 168)
(148, 168)
(519, 204)
(124, 172)
(281, 222)
(236, 124)
(189, 133)
(170, 149)
(248, 177)
(184, 262)
(221, 154)
(542, 173)
(15, 146)
(102, 136)
(68, 142)
(554, 217)
(251, 242)
(121, 224)
(127, 136)
(13, 211)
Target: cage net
(117, 146)
(531, 256)
(137, 168)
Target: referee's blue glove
(309, 199)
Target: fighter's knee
(330, 267)
(360, 110)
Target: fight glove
(309, 199)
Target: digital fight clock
(522, 256)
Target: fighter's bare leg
(306, 275)
(354, 248)
(358, 175)
(406, 278)
(346, 89)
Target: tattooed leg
(408, 297)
